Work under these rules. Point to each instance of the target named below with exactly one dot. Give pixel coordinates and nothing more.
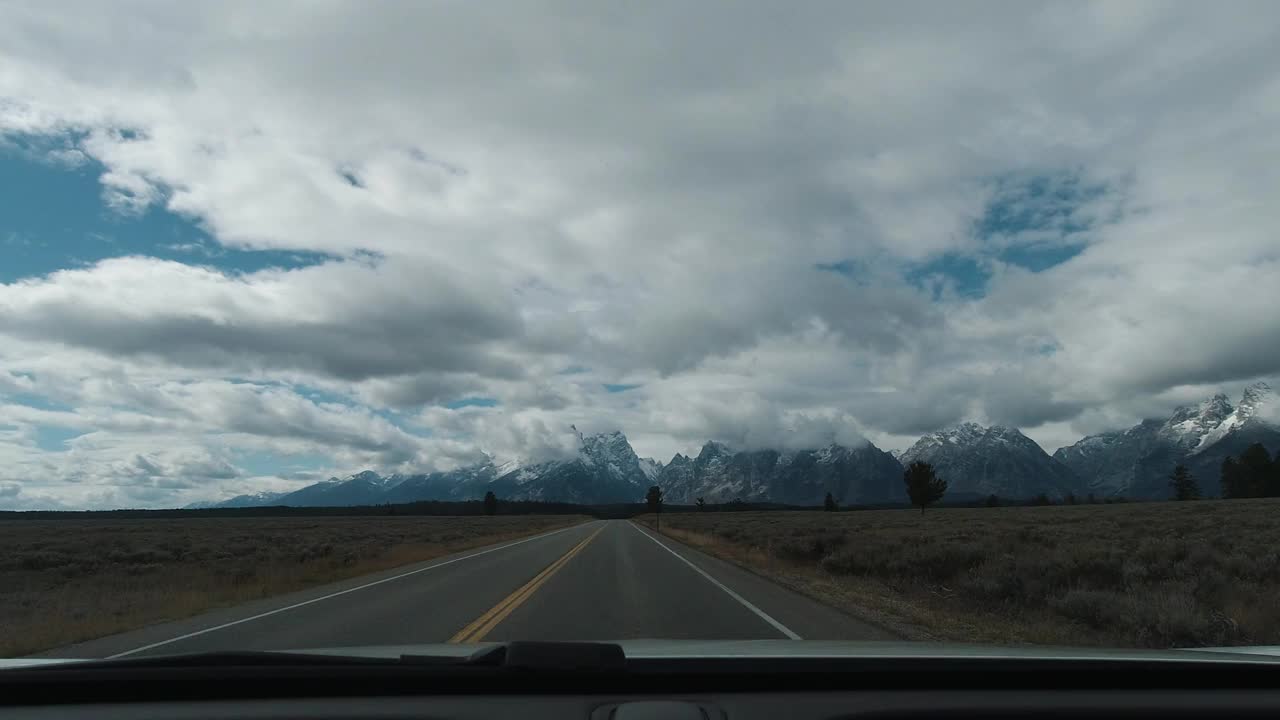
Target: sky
(246, 246)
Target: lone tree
(830, 504)
(993, 500)
(702, 505)
(653, 499)
(924, 487)
(490, 503)
(1184, 486)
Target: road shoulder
(805, 615)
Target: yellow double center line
(482, 625)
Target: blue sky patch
(52, 438)
(52, 217)
(1039, 221)
(472, 402)
(40, 402)
(1039, 259)
(619, 387)
(965, 276)
(323, 397)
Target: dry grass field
(63, 581)
(1131, 575)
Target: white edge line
(294, 606)
(745, 603)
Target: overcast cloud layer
(763, 224)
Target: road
(602, 580)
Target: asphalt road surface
(603, 580)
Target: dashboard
(847, 704)
(527, 680)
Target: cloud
(345, 320)
(1053, 216)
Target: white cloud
(648, 197)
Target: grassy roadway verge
(65, 581)
(1124, 575)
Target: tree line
(1254, 475)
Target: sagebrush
(64, 581)
(1134, 575)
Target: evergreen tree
(653, 499)
(924, 487)
(1183, 485)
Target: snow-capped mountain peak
(611, 452)
(1137, 461)
(1189, 425)
(984, 460)
(1258, 401)
(650, 468)
(370, 477)
(797, 476)
(963, 435)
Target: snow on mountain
(506, 467)
(651, 468)
(1137, 461)
(1189, 426)
(1107, 462)
(257, 499)
(719, 474)
(464, 483)
(363, 488)
(977, 460)
(1258, 402)
(611, 453)
(604, 470)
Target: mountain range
(1136, 462)
(975, 460)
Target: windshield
(335, 325)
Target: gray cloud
(346, 321)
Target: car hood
(688, 649)
(675, 649)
